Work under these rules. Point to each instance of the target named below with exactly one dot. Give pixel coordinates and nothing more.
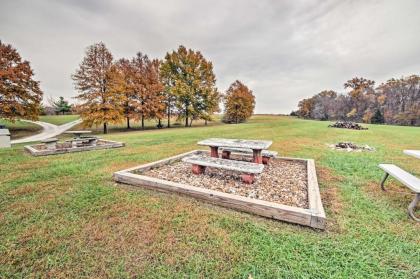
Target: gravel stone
(282, 181)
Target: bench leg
(225, 154)
(197, 169)
(257, 158)
(265, 160)
(412, 206)
(247, 178)
(214, 151)
(383, 181)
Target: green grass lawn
(20, 129)
(58, 119)
(63, 216)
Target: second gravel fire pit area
(282, 181)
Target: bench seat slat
(402, 176)
(265, 153)
(239, 166)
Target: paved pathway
(48, 131)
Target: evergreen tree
(377, 118)
(61, 106)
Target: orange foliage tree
(239, 103)
(20, 94)
(142, 89)
(99, 83)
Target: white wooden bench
(266, 154)
(409, 180)
(200, 162)
(51, 143)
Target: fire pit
(351, 147)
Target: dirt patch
(398, 195)
(282, 181)
(331, 197)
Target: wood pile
(347, 125)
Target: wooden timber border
(314, 216)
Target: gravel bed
(65, 145)
(283, 181)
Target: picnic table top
(414, 153)
(240, 143)
(78, 132)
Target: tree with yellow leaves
(99, 83)
(189, 80)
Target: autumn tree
(20, 94)
(147, 98)
(396, 101)
(99, 83)
(400, 100)
(362, 96)
(189, 80)
(239, 103)
(127, 71)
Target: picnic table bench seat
(200, 162)
(266, 154)
(409, 180)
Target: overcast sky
(283, 50)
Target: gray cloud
(283, 50)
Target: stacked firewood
(347, 125)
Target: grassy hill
(63, 216)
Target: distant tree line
(183, 84)
(396, 101)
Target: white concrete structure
(4, 138)
(48, 131)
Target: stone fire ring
(314, 216)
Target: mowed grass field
(58, 119)
(63, 216)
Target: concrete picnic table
(256, 145)
(414, 153)
(77, 134)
